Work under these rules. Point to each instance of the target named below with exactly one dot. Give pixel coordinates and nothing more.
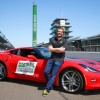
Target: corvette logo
(26, 67)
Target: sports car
(28, 63)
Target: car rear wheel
(71, 81)
(2, 72)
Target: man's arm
(58, 50)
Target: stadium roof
(94, 37)
(4, 43)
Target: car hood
(87, 62)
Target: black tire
(71, 81)
(3, 73)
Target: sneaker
(45, 92)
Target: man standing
(57, 49)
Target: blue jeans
(50, 72)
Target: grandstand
(4, 43)
(87, 44)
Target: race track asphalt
(13, 89)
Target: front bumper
(92, 80)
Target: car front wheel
(71, 81)
(2, 72)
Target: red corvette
(28, 63)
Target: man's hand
(62, 49)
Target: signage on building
(34, 38)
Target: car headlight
(89, 68)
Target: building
(74, 44)
(60, 22)
(91, 44)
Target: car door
(24, 67)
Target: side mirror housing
(32, 57)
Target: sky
(16, 19)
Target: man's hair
(60, 28)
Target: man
(57, 49)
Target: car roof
(27, 48)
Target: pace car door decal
(26, 67)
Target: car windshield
(43, 52)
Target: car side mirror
(32, 57)
(10, 54)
